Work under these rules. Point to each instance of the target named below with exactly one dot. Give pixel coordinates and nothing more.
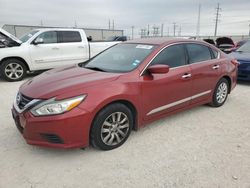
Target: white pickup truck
(43, 49)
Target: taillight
(235, 62)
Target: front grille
(52, 138)
(24, 100)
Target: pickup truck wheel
(111, 127)
(13, 70)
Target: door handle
(216, 67)
(186, 75)
(55, 48)
(80, 46)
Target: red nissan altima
(100, 101)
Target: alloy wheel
(14, 71)
(222, 92)
(115, 128)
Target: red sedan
(125, 87)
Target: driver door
(47, 53)
(164, 93)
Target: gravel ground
(202, 147)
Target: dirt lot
(202, 147)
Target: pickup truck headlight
(53, 107)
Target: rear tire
(111, 127)
(220, 93)
(13, 70)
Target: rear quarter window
(198, 53)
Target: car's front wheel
(220, 93)
(13, 70)
(111, 127)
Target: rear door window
(173, 56)
(69, 36)
(198, 53)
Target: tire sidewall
(96, 140)
(7, 62)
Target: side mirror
(158, 69)
(38, 41)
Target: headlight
(53, 107)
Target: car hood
(241, 56)
(64, 80)
(10, 36)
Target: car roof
(160, 41)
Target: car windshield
(120, 58)
(27, 36)
(244, 48)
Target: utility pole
(75, 24)
(109, 24)
(198, 22)
(179, 34)
(132, 32)
(249, 29)
(148, 30)
(168, 32)
(162, 25)
(174, 24)
(113, 25)
(41, 22)
(218, 9)
(155, 31)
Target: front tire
(220, 93)
(13, 70)
(111, 127)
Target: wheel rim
(13, 71)
(222, 91)
(115, 128)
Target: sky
(234, 16)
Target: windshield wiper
(95, 68)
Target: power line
(218, 9)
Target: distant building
(96, 34)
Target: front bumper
(68, 130)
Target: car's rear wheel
(13, 70)
(111, 127)
(220, 93)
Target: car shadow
(247, 83)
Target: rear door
(163, 93)
(205, 70)
(73, 48)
